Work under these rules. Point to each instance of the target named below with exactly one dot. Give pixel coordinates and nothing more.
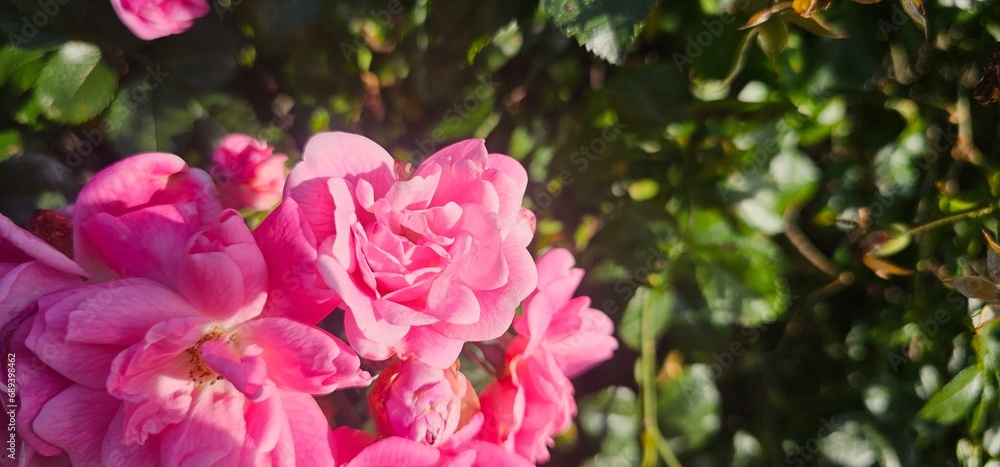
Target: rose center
(200, 372)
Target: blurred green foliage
(755, 207)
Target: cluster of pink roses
(151, 326)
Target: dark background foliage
(755, 208)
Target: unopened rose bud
(426, 404)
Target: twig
(805, 247)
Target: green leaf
(642, 190)
(277, 23)
(142, 119)
(605, 27)
(742, 281)
(791, 180)
(10, 144)
(773, 37)
(75, 85)
(204, 58)
(897, 238)
(689, 408)
(895, 169)
(956, 398)
(611, 417)
(19, 68)
(230, 113)
(639, 93)
(660, 302)
(855, 443)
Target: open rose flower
(558, 337)
(423, 260)
(419, 402)
(529, 405)
(134, 217)
(577, 336)
(249, 174)
(169, 361)
(151, 19)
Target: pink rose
(151, 19)
(170, 361)
(29, 269)
(134, 217)
(558, 337)
(358, 449)
(249, 175)
(422, 403)
(35, 383)
(577, 336)
(423, 261)
(528, 406)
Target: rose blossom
(249, 175)
(419, 402)
(577, 336)
(169, 361)
(423, 261)
(426, 417)
(355, 448)
(151, 19)
(30, 268)
(558, 336)
(529, 405)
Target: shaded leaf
(992, 257)
(19, 68)
(279, 22)
(659, 303)
(977, 288)
(612, 416)
(742, 280)
(203, 58)
(637, 94)
(689, 408)
(76, 84)
(791, 180)
(143, 119)
(773, 38)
